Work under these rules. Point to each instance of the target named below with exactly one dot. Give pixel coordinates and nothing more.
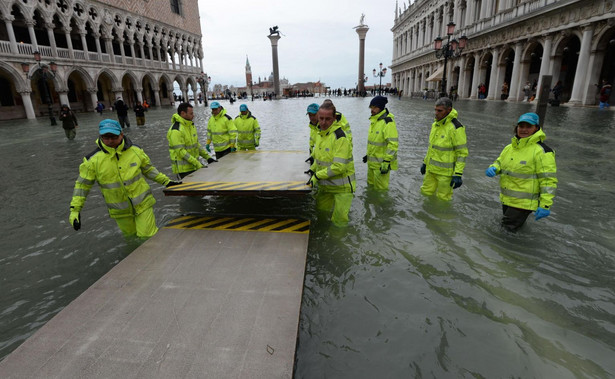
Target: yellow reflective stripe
(218, 133)
(458, 147)
(546, 175)
(323, 163)
(461, 159)
(152, 174)
(393, 153)
(393, 139)
(374, 159)
(519, 194)
(376, 143)
(110, 185)
(174, 147)
(549, 190)
(441, 148)
(139, 199)
(81, 192)
(518, 175)
(441, 164)
(342, 160)
(337, 182)
(122, 205)
(85, 181)
(133, 180)
(221, 144)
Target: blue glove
(385, 167)
(456, 181)
(491, 171)
(423, 169)
(541, 213)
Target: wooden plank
(249, 173)
(190, 302)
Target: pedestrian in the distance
(69, 122)
(139, 114)
(100, 107)
(122, 112)
(527, 174)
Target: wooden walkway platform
(249, 173)
(206, 297)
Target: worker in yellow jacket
(184, 146)
(527, 174)
(248, 129)
(382, 144)
(221, 131)
(446, 155)
(120, 168)
(333, 169)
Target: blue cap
(214, 105)
(312, 108)
(109, 126)
(243, 107)
(530, 118)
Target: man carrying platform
(333, 168)
(184, 146)
(120, 168)
(248, 130)
(221, 131)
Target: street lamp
(45, 74)
(204, 81)
(380, 74)
(451, 49)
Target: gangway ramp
(209, 296)
(249, 173)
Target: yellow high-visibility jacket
(382, 140)
(448, 148)
(184, 146)
(333, 163)
(221, 131)
(527, 173)
(313, 134)
(120, 174)
(345, 125)
(248, 131)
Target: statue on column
(274, 30)
(362, 19)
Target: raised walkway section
(206, 297)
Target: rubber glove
(456, 181)
(365, 159)
(256, 143)
(75, 219)
(207, 146)
(172, 183)
(233, 149)
(385, 167)
(542, 213)
(211, 160)
(491, 171)
(423, 169)
(198, 165)
(309, 172)
(310, 160)
(313, 181)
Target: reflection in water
(411, 287)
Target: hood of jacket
(539, 136)
(453, 114)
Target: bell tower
(248, 73)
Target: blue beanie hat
(243, 107)
(379, 102)
(312, 108)
(530, 118)
(109, 126)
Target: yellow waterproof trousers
(142, 225)
(378, 180)
(438, 184)
(340, 202)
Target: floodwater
(412, 287)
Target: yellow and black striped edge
(239, 186)
(250, 224)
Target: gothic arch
(114, 80)
(18, 78)
(85, 75)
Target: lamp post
(451, 49)
(204, 81)
(380, 74)
(45, 74)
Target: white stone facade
(512, 41)
(102, 52)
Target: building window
(176, 6)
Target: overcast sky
(318, 39)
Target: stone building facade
(134, 49)
(509, 41)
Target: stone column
(93, 97)
(475, 77)
(109, 48)
(131, 41)
(157, 96)
(63, 94)
(120, 40)
(8, 21)
(173, 56)
(546, 61)
(52, 38)
(579, 85)
(30, 24)
(362, 32)
(142, 53)
(461, 88)
(276, 72)
(98, 48)
(85, 45)
(139, 92)
(117, 92)
(69, 42)
(27, 104)
(515, 85)
(493, 76)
